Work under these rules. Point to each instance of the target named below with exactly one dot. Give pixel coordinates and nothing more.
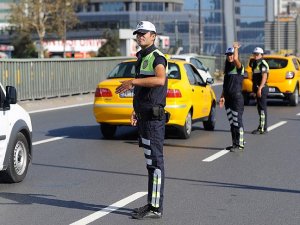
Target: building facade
(4, 12)
(168, 16)
(222, 22)
(282, 31)
(201, 26)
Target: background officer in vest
(260, 70)
(232, 96)
(150, 90)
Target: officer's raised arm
(236, 59)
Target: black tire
(18, 160)
(246, 98)
(108, 131)
(210, 123)
(186, 130)
(294, 98)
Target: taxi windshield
(127, 70)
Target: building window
(166, 6)
(112, 6)
(152, 6)
(177, 7)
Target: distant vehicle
(15, 137)
(6, 51)
(283, 80)
(192, 58)
(189, 99)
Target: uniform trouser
(151, 139)
(262, 108)
(234, 105)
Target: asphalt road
(77, 177)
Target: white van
(192, 58)
(15, 137)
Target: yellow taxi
(189, 99)
(283, 80)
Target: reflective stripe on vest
(257, 68)
(146, 68)
(234, 71)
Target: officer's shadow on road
(92, 133)
(271, 102)
(41, 199)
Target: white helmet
(258, 50)
(144, 27)
(229, 51)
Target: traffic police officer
(150, 90)
(232, 96)
(260, 71)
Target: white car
(15, 137)
(203, 70)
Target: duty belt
(146, 116)
(155, 113)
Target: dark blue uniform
(234, 102)
(258, 68)
(149, 106)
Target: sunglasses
(141, 34)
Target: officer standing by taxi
(150, 90)
(232, 96)
(260, 71)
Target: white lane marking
(223, 152)
(48, 140)
(62, 107)
(276, 125)
(115, 206)
(216, 155)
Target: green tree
(112, 45)
(24, 47)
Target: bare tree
(65, 17)
(44, 16)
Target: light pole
(65, 36)
(278, 25)
(200, 28)
(65, 10)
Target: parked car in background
(283, 80)
(15, 137)
(192, 58)
(189, 99)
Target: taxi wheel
(186, 130)
(108, 131)
(210, 123)
(294, 98)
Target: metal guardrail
(48, 78)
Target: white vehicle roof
(184, 56)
